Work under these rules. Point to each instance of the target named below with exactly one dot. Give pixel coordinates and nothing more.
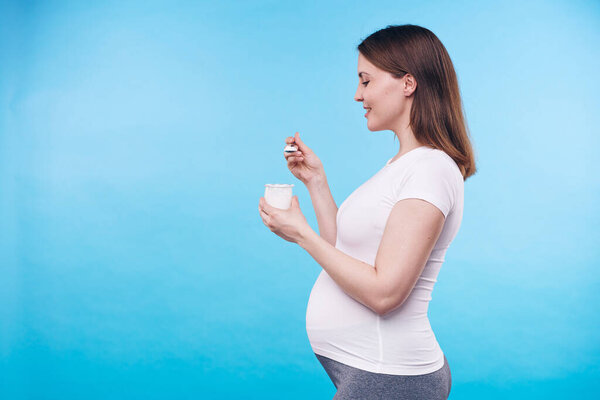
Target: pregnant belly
(330, 308)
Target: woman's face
(385, 98)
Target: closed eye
(365, 83)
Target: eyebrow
(360, 74)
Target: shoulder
(431, 176)
(435, 162)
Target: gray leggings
(352, 383)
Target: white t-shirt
(401, 342)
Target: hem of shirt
(379, 368)
(428, 197)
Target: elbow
(388, 304)
(382, 310)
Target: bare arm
(411, 232)
(325, 208)
(308, 168)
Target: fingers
(295, 156)
(263, 206)
(296, 140)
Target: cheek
(378, 97)
(392, 103)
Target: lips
(368, 110)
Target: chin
(374, 128)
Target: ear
(410, 84)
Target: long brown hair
(436, 116)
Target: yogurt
(279, 195)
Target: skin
(413, 225)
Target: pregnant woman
(382, 250)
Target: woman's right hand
(303, 163)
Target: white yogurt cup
(279, 195)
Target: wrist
(317, 182)
(306, 236)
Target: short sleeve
(431, 179)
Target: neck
(407, 140)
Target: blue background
(135, 142)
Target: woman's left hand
(290, 224)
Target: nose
(358, 94)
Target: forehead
(365, 67)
